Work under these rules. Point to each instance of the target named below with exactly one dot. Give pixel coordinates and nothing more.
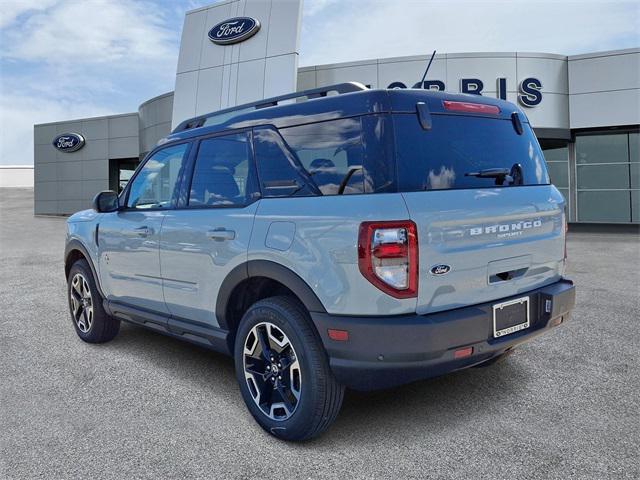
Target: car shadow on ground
(419, 408)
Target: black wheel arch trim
(266, 269)
(77, 245)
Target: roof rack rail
(339, 88)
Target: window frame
(252, 195)
(123, 199)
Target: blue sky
(64, 59)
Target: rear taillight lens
(388, 256)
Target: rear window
(452, 153)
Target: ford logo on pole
(234, 30)
(69, 142)
(440, 269)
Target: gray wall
(155, 121)
(211, 77)
(605, 89)
(67, 182)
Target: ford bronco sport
(338, 237)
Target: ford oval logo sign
(69, 142)
(234, 30)
(440, 269)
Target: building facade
(585, 109)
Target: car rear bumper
(383, 352)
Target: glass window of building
(558, 167)
(607, 177)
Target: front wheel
(283, 371)
(91, 321)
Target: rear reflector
(463, 352)
(470, 107)
(338, 335)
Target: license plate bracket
(510, 317)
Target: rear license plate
(510, 317)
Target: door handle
(143, 231)
(221, 234)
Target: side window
(281, 174)
(336, 157)
(222, 172)
(154, 185)
(331, 152)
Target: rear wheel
(283, 371)
(90, 320)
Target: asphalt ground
(148, 406)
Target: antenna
(425, 72)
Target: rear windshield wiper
(500, 174)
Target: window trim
(250, 196)
(123, 199)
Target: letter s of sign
(530, 94)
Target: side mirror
(106, 201)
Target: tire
(301, 362)
(91, 322)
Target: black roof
(351, 100)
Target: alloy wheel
(81, 303)
(272, 371)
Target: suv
(337, 237)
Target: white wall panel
(257, 47)
(274, 46)
(209, 90)
(605, 109)
(280, 75)
(284, 27)
(604, 73)
(250, 81)
(184, 100)
(191, 42)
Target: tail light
(388, 256)
(470, 107)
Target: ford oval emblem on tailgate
(440, 269)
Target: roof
(321, 108)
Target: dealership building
(585, 109)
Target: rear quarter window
(336, 157)
(456, 145)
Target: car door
(128, 239)
(208, 237)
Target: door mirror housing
(106, 201)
